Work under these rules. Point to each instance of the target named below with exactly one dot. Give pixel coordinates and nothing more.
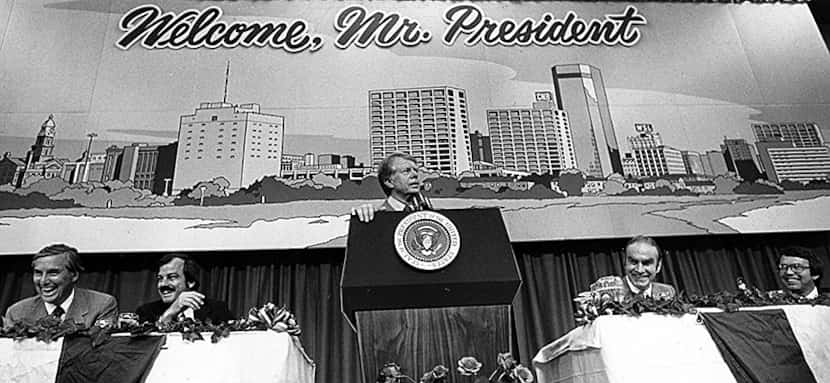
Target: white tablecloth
(255, 356)
(657, 348)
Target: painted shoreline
(312, 224)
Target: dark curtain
(307, 282)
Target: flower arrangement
(273, 318)
(602, 301)
(267, 317)
(46, 329)
(508, 371)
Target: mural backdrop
(183, 125)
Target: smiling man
(177, 283)
(398, 177)
(643, 262)
(800, 270)
(55, 271)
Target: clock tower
(45, 141)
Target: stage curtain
(307, 281)
(555, 272)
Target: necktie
(58, 312)
(410, 206)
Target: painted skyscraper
(236, 142)
(580, 91)
(792, 151)
(535, 140)
(801, 134)
(429, 123)
(654, 159)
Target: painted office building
(236, 142)
(429, 123)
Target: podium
(421, 318)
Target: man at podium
(398, 177)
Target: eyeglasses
(795, 267)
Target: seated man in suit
(800, 270)
(398, 177)
(177, 282)
(56, 269)
(643, 261)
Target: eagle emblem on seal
(427, 240)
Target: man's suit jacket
(420, 201)
(658, 290)
(386, 206)
(216, 311)
(87, 308)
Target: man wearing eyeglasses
(800, 270)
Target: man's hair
(644, 239)
(385, 169)
(191, 268)
(73, 259)
(816, 265)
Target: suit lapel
(79, 307)
(37, 310)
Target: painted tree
(571, 182)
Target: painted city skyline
(123, 103)
(711, 110)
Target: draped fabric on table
(307, 281)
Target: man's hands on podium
(365, 213)
(185, 300)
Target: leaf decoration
(587, 309)
(267, 317)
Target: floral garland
(591, 305)
(48, 329)
(267, 317)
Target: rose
(389, 372)
(506, 361)
(468, 366)
(439, 371)
(523, 374)
(436, 375)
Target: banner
(222, 125)
(758, 346)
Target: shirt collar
(813, 294)
(636, 290)
(395, 204)
(65, 305)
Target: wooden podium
(421, 318)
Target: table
(658, 348)
(252, 356)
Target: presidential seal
(427, 240)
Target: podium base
(420, 339)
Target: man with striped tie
(399, 178)
(56, 269)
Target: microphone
(421, 201)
